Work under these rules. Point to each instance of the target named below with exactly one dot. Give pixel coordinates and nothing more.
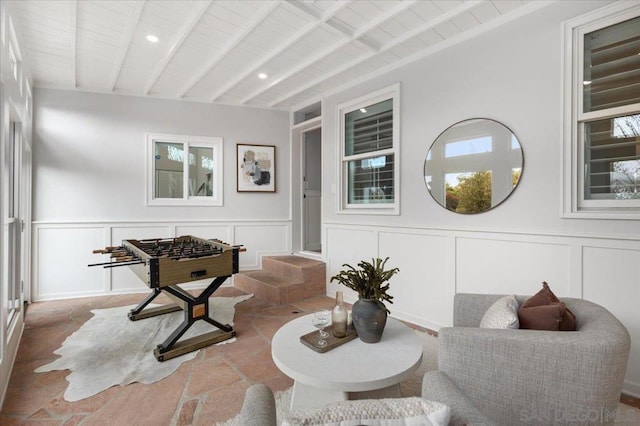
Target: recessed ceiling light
(152, 38)
(363, 110)
(262, 76)
(586, 82)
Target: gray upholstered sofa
(529, 376)
(512, 377)
(259, 408)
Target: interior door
(312, 190)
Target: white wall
(90, 156)
(89, 186)
(512, 75)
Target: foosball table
(165, 264)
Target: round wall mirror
(473, 166)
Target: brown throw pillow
(544, 311)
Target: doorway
(306, 190)
(312, 190)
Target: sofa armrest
(259, 407)
(437, 386)
(529, 375)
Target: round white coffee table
(355, 370)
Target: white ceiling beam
(182, 35)
(303, 7)
(74, 43)
(389, 14)
(307, 29)
(335, 24)
(338, 26)
(264, 12)
(126, 43)
(465, 7)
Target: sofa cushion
(502, 314)
(412, 411)
(544, 311)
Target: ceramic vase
(369, 319)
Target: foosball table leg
(139, 312)
(196, 308)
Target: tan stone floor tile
(74, 420)
(243, 348)
(258, 366)
(138, 404)
(211, 374)
(187, 412)
(59, 407)
(221, 404)
(9, 421)
(267, 326)
(26, 402)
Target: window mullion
(185, 174)
(369, 154)
(609, 113)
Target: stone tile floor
(208, 389)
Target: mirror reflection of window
(473, 166)
(468, 147)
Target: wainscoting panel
(485, 265)
(424, 287)
(261, 240)
(61, 256)
(611, 278)
(347, 245)
(63, 251)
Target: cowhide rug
(110, 350)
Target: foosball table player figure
(165, 264)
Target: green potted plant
(371, 281)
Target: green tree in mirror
(452, 198)
(473, 193)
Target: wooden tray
(310, 339)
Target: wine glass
(320, 321)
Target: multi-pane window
(605, 116)
(184, 170)
(370, 153)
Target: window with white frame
(370, 153)
(184, 170)
(602, 127)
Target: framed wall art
(256, 168)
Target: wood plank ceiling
(213, 50)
